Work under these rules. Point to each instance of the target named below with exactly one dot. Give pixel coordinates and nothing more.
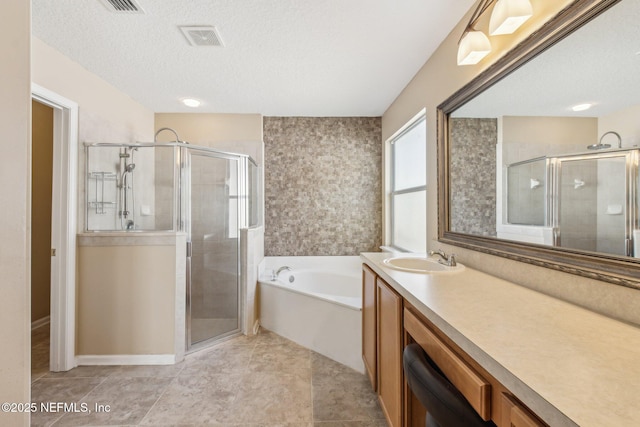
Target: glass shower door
(593, 212)
(213, 300)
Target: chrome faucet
(280, 270)
(448, 260)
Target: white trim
(126, 359)
(407, 125)
(63, 230)
(40, 323)
(389, 192)
(386, 174)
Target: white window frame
(417, 120)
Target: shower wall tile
(323, 178)
(473, 176)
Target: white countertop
(569, 365)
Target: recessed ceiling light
(191, 102)
(581, 107)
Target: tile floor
(263, 380)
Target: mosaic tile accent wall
(323, 178)
(473, 176)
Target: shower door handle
(189, 250)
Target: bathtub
(317, 304)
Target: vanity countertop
(571, 366)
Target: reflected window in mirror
(408, 187)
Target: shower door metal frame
(548, 190)
(631, 187)
(185, 223)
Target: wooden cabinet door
(369, 348)
(389, 311)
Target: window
(408, 192)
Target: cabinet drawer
(516, 415)
(473, 387)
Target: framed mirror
(538, 156)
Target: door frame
(186, 156)
(63, 226)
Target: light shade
(474, 46)
(508, 15)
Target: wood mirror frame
(623, 271)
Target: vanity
(520, 358)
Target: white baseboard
(40, 322)
(126, 359)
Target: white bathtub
(320, 309)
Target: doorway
(41, 198)
(213, 262)
(62, 247)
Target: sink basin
(415, 264)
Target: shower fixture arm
(612, 133)
(155, 137)
(601, 146)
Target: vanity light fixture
(191, 102)
(474, 45)
(508, 15)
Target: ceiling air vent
(122, 6)
(201, 35)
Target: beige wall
(42, 169)
(624, 122)
(438, 79)
(105, 113)
(15, 170)
(525, 138)
(238, 133)
(127, 302)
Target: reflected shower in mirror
(548, 155)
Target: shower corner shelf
(99, 203)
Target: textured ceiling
(598, 64)
(280, 57)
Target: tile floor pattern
(264, 380)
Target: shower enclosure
(588, 201)
(177, 187)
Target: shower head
(130, 167)
(601, 146)
(598, 146)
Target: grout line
(83, 398)
(159, 397)
(313, 413)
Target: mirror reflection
(549, 154)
